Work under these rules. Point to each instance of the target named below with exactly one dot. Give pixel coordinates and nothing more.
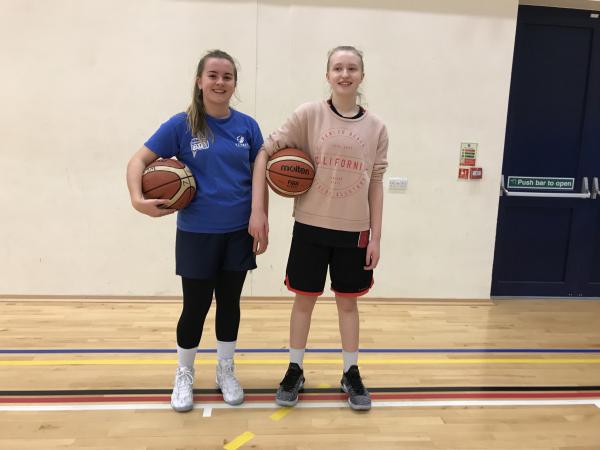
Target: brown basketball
(169, 179)
(290, 172)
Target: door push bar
(595, 188)
(585, 191)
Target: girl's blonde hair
(346, 48)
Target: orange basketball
(171, 180)
(290, 172)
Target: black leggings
(197, 298)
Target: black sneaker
(358, 396)
(292, 383)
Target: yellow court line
(239, 441)
(280, 414)
(125, 362)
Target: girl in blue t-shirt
(213, 248)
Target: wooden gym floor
(97, 374)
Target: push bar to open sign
(585, 190)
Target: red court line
(487, 395)
(310, 397)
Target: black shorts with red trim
(314, 250)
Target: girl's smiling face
(344, 72)
(217, 82)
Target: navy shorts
(204, 255)
(315, 249)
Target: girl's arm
(259, 223)
(135, 168)
(376, 212)
(288, 135)
(376, 200)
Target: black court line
(308, 391)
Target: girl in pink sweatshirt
(337, 222)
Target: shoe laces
(226, 368)
(291, 377)
(355, 381)
(227, 376)
(183, 379)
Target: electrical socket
(398, 183)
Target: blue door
(548, 234)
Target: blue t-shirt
(221, 167)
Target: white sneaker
(231, 389)
(182, 398)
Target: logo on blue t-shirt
(241, 142)
(198, 144)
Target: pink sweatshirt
(349, 155)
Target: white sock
(186, 356)
(350, 359)
(297, 356)
(225, 350)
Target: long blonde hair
(196, 114)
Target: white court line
(207, 412)
(307, 405)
